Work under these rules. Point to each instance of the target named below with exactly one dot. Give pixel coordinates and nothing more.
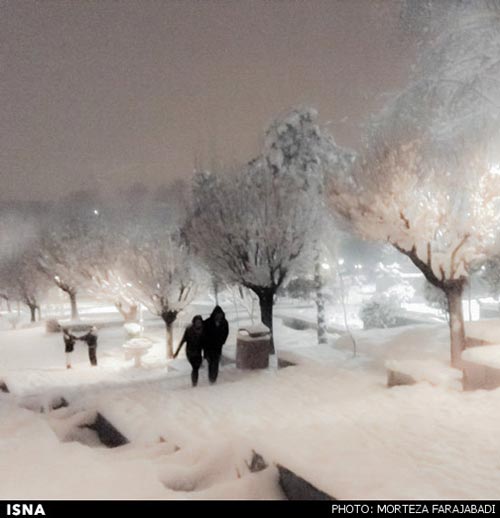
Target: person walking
(193, 336)
(91, 340)
(69, 346)
(215, 332)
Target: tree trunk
(215, 285)
(169, 317)
(32, 312)
(170, 341)
(457, 328)
(320, 302)
(469, 294)
(74, 308)
(266, 302)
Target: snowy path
(330, 418)
(339, 430)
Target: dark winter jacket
(90, 338)
(214, 336)
(193, 341)
(69, 342)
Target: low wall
(479, 377)
(296, 488)
(107, 433)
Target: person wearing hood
(192, 337)
(215, 332)
(91, 340)
(69, 345)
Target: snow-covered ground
(330, 418)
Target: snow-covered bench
(481, 366)
(409, 372)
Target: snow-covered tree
(111, 285)
(102, 271)
(28, 284)
(427, 181)
(66, 246)
(157, 267)
(250, 226)
(20, 278)
(243, 297)
(319, 285)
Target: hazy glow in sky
(103, 94)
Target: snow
(255, 330)
(133, 329)
(330, 418)
(138, 343)
(488, 355)
(434, 372)
(488, 330)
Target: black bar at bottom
(152, 508)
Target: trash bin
(252, 347)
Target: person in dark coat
(69, 346)
(215, 332)
(193, 336)
(91, 340)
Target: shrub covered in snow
(300, 288)
(379, 311)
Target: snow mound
(488, 355)
(430, 371)
(133, 330)
(255, 330)
(488, 330)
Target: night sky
(101, 94)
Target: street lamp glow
(96, 212)
(340, 262)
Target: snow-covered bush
(400, 293)
(390, 277)
(379, 311)
(300, 288)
